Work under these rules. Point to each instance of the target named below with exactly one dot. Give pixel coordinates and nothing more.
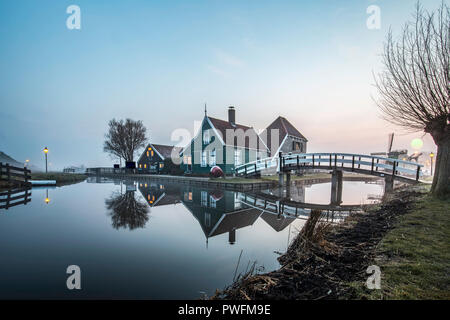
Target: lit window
(161, 165)
(187, 160)
(145, 166)
(149, 149)
(152, 153)
(148, 154)
(190, 196)
(140, 166)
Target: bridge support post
(232, 236)
(281, 179)
(336, 187)
(288, 184)
(388, 184)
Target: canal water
(146, 240)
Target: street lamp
(46, 151)
(47, 199)
(431, 158)
(26, 162)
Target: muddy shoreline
(323, 259)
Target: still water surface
(144, 240)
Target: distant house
(73, 169)
(226, 144)
(156, 158)
(282, 136)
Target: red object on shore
(217, 194)
(216, 172)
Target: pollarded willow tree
(125, 138)
(414, 84)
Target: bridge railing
(255, 167)
(353, 162)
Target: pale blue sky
(159, 61)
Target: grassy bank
(407, 236)
(60, 178)
(414, 256)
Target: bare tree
(125, 138)
(414, 85)
(126, 211)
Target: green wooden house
(222, 143)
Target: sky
(160, 61)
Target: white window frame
(212, 158)
(237, 157)
(206, 137)
(212, 202)
(204, 158)
(204, 198)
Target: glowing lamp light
(45, 150)
(47, 200)
(431, 155)
(416, 143)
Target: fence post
(371, 169)
(298, 161)
(393, 168)
(418, 173)
(335, 160)
(8, 172)
(330, 160)
(281, 160)
(313, 161)
(353, 163)
(25, 170)
(8, 198)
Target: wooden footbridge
(365, 164)
(285, 207)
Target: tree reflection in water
(126, 211)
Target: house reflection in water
(157, 194)
(217, 211)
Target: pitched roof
(235, 220)
(222, 126)
(278, 224)
(164, 150)
(284, 127)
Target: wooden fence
(15, 175)
(14, 197)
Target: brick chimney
(231, 115)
